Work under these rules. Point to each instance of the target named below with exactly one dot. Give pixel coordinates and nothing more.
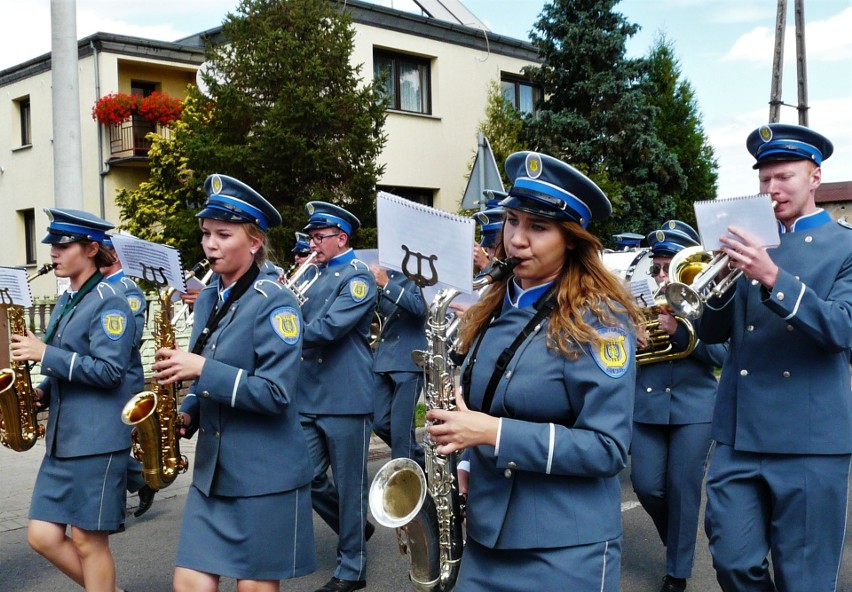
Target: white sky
(725, 50)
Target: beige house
(441, 73)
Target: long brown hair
(584, 284)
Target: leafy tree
(595, 116)
(503, 126)
(678, 123)
(285, 112)
(162, 209)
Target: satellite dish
(206, 69)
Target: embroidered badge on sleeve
(613, 354)
(114, 322)
(286, 324)
(358, 289)
(135, 303)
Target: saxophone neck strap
(71, 303)
(219, 312)
(544, 306)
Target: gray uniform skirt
(89, 492)
(596, 566)
(264, 537)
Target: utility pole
(775, 101)
(67, 147)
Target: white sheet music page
(752, 213)
(149, 261)
(416, 239)
(14, 288)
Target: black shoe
(369, 530)
(338, 585)
(671, 584)
(146, 498)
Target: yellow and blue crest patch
(358, 289)
(286, 323)
(135, 303)
(114, 322)
(613, 354)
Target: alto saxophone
(154, 413)
(19, 427)
(426, 508)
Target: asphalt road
(145, 552)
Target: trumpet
(697, 276)
(296, 282)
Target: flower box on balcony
(156, 108)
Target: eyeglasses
(317, 238)
(655, 269)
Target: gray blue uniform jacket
(403, 311)
(552, 479)
(138, 305)
(785, 385)
(680, 391)
(249, 438)
(86, 383)
(337, 374)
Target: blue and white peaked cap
(673, 237)
(232, 200)
(322, 214)
(69, 226)
(490, 221)
(548, 187)
(493, 197)
(303, 244)
(777, 142)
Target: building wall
(435, 151)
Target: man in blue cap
(490, 222)
(336, 387)
(782, 422)
(114, 276)
(675, 393)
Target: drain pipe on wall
(102, 172)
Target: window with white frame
(28, 220)
(25, 117)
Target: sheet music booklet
(150, 261)
(14, 287)
(753, 213)
(431, 237)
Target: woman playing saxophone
(248, 511)
(86, 351)
(548, 387)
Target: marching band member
(114, 276)
(490, 222)
(398, 379)
(336, 387)
(248, 512)
(547, 431)
(782, 423)
(302, 249)
(671, 423)
(84, 356)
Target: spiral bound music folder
(152, 262)
(752, 213)
(14, 288)
(417, 239)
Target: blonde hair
(584, 284)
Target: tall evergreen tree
(284, 112)
(595, 116)
(677, 120)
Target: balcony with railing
(130, 137)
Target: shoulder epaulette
(845, 223)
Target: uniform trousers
(791, 505)
(135, 480)
(667, 470)
(393, 420)
(342, 443)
